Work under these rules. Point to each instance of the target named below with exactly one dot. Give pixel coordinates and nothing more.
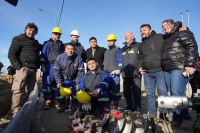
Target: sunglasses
(56, 34)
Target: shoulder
(19, 37)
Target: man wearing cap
(113, 64)
(51, 49)
(79, 49)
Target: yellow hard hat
(111, 37)
(56, 30)
(65, 91)
(83, 97)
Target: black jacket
(150, 52)
(130, 60)
(98, 55)
(24, 52)
(180, 50)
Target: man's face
(92, 65)
(56, 36)
(145, 32)
(167, 27)
(69, 50)
(93, 43)
(111, 42)
(30, 32)
(129, 38)
(74, 38)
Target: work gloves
(86, 107)
(115, 72)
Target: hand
(142, 71)
(86, 107)
(115, 72)
(43, 68)
(58, 85)
(183, 29)
(95, 93)
(190, 71)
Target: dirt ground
(50, 121)
(53, 122)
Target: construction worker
(93, 90)
(69, 67)
(79, 49)
(95, 52)
(11, 73)
(51, 49)
(113, 64)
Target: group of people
(159, 58)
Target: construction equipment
(83, 97)
(65, 91)
(56, 30)
(74, 33)
(111, 37)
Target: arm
(84, 55)
(57, 71)
(190, 45)
(13, 54)
(45, 51)
(119, 59)
(191, 53)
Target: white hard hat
(74, 32)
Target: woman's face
(167, 27)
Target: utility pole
(63, 1)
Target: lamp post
(48, 13)
(181, 17)
(188, 18)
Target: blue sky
(92, 18)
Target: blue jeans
(151, 80)
(176, 84)
(132, 93)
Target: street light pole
(181, 17)
(63, 1)
(48, 13)
(188, 18)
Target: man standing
(113, 64)
(150, 66)
(78, 48)
(51, 49)
(68, 69)
(131, 78)
(95, 52)
(24, 57)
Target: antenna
(188, 18)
